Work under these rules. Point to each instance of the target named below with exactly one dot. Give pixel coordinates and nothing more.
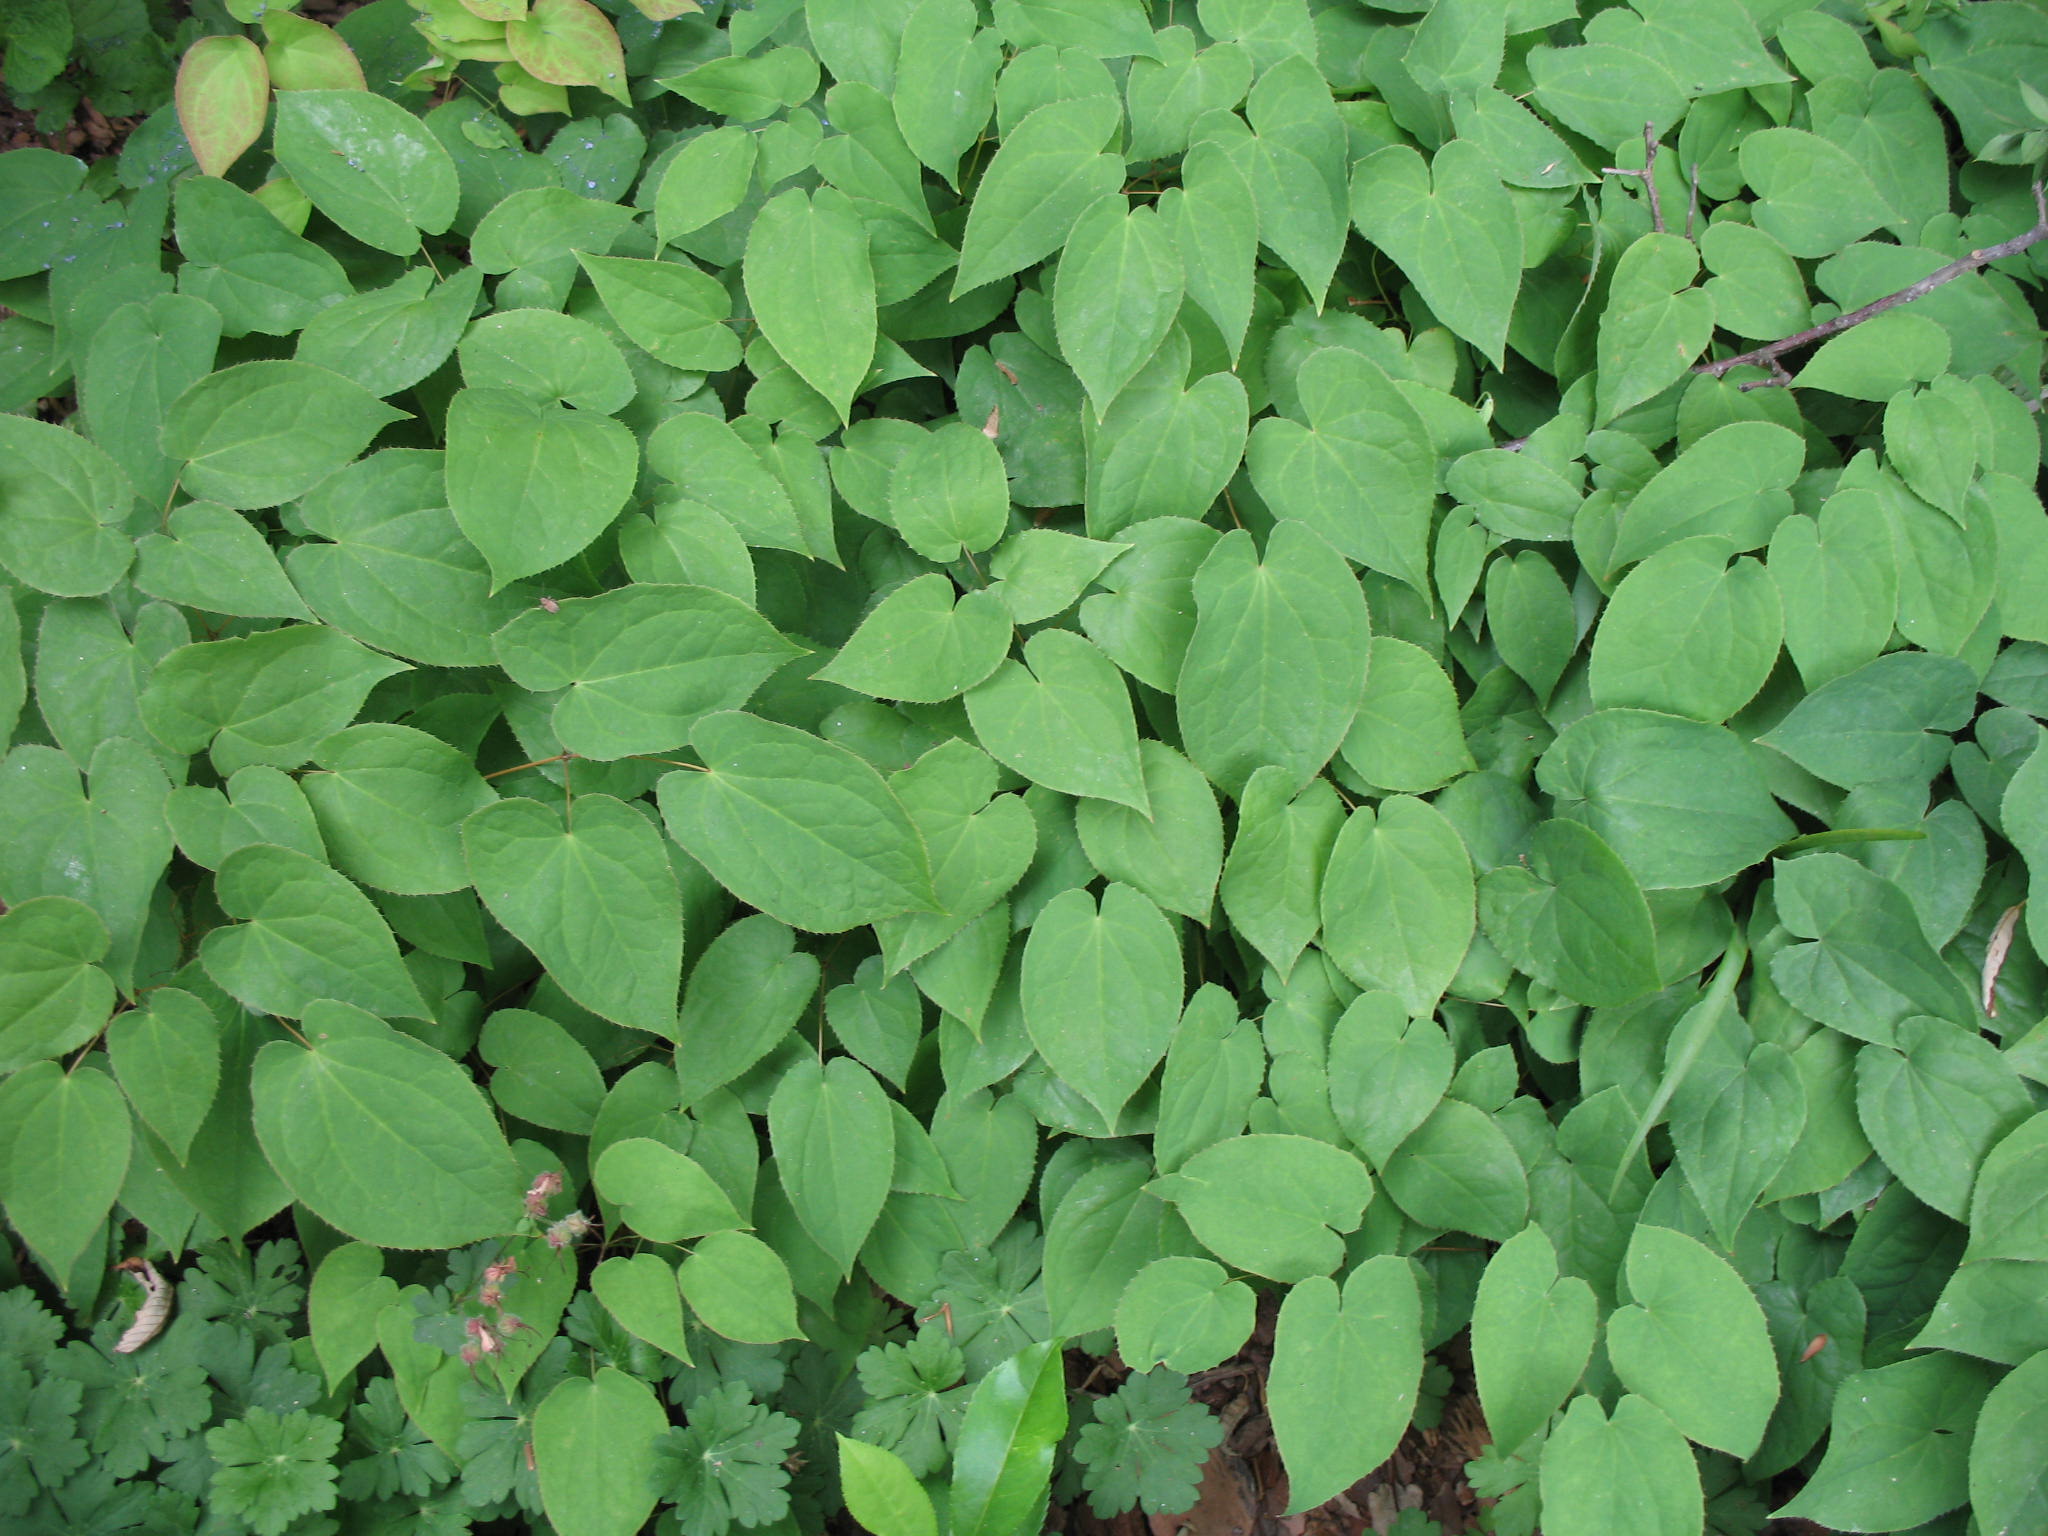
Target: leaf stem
(1768, 354)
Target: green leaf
(1631, 1472)
(948, 493)
(1361, 1347)
(1899, 1447)
(2010, 1447)
(980, 848)
(269, 1468)
(1361, 474)
(1734, 481)
(1398, 901)
(1733, 1136)
(594, 1443)
(1459, 1170)
(532, 482)
(661, 1194)
(142, 357)
(52, 992)
(546, 356)
(1182, 1312)
(214, 559)
(1274, 1205)
(1387, 1073)
(1050, 168)
(1573, 917)
(390, 801)
(1278, 658)
(306, 935)
(1936, 1106)
(1813, 196)
(1116, 296)
(389, 339)
(1880, 721)
(798, 827)
(746, 990)
(669, 309)
(1655, 322)
(269, 698)
(749, 89)
(1273, 877)
(882, 1493)
(1605, 92)
(539, 1072)
(1147, 1446)
(1868, 964)
(726, 475)
(1406, 735)
(399, 575)
(348, 1292)
(167, 1057)
(221, 90)
(639, 666)
(834, 1148)
(812, 290)
(1532, 1335)
(368, 164)
(1684, 803)
(640, 1293)
(65, 500)
(1082, 966)
(1175, 855)
(944, 98)
(1449, 224)
(592, 895)
(258, 434)
(739, 1288)
(925, 642)
(1062, 718)
(63, 1155)
(1003, 1455)
(1163, 452)
(384, 1137)
(1687, 633)
(1693, 1341)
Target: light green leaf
(532, 482)
(924, 642)
(215, 560)
(1693, 1341)
(661, 1194)
(745, 993)
(796, 826)
(390, 801)
(1458, 1170)
(812, 290)
(1936, 1106)
(640, 665)
(1274, 670)
(641, 1294)
(980, 847)
(949, 494)
(368, 164)
(1273, 878)
(63, 1154)
(882, 1493)
(1881, 722)
(669, 309)
(1387, 1073)
(594, 1440)
(1039, 573)
(1049, 169)
(1687, 633)
(1812, 196)
(2008, 1489)
(739, 1289)
(262, 433)
(1116, 296)
(1632, 1472)
(1275, 1205)
(1184, 1313)
(307, 934)
(384, 1137)
(540, 1072)
(1361, 1347)
(349, 1290)
(167, 1057)
(1062, 717)
(65, 500)
(592, 896)
(1573, 917)
(1532, 1334)
(1407, 735)
(1450, 226)
(1174, 855)
(1655, 322)
(834, 1149)
(1398, 901)
(1083, 966)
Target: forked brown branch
(1768, 354)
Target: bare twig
(1768, 354)
(1649, 178)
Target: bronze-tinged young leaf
(222, 94)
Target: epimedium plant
(728, 726)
